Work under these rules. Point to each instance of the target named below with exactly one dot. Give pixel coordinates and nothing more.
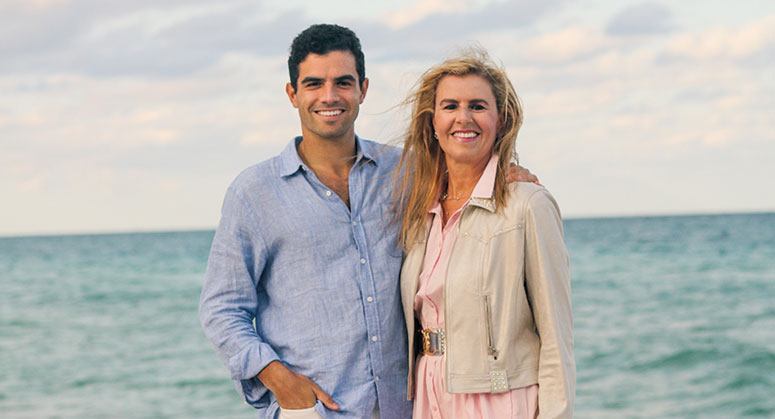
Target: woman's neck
(461, 181)
(462, 178)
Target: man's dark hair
(321, 39)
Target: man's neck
(331, 160)
(331, 156)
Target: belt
(433, 341)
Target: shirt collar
(290, 161)
(482, 194)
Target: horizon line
(193, 229)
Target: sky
(136, 116)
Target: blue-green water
(674, 318)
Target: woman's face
(465, 117)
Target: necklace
(444, 197)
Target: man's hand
(292, 390)
(520, 174)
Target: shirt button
(373, 338)
(363, 261)
(376, 378)
(354, 223)
(328, 193)
(369, 299)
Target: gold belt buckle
(431, 346)
(426, 342)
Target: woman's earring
(435, 135)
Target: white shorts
(311, 413)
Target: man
(305, 250)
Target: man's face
(328, 95)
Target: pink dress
(431, 399)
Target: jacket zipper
(490, 341)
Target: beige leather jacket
(507, 303)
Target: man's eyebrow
(348, 77)
(306, 80)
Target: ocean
(674, 318)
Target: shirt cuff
(247, 363)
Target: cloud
(753, 39)
(43, 26)
(142, 37)
(641, 19)
(566, 45)
(177, 38)
(33, 184)
(420, 10)
(439, 29)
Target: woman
(485, 284)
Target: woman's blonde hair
(422, 171)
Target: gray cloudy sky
(123, 116)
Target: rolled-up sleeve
(229, 302)
(548, 282)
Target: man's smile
(332, 112)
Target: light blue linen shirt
(319, 280)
